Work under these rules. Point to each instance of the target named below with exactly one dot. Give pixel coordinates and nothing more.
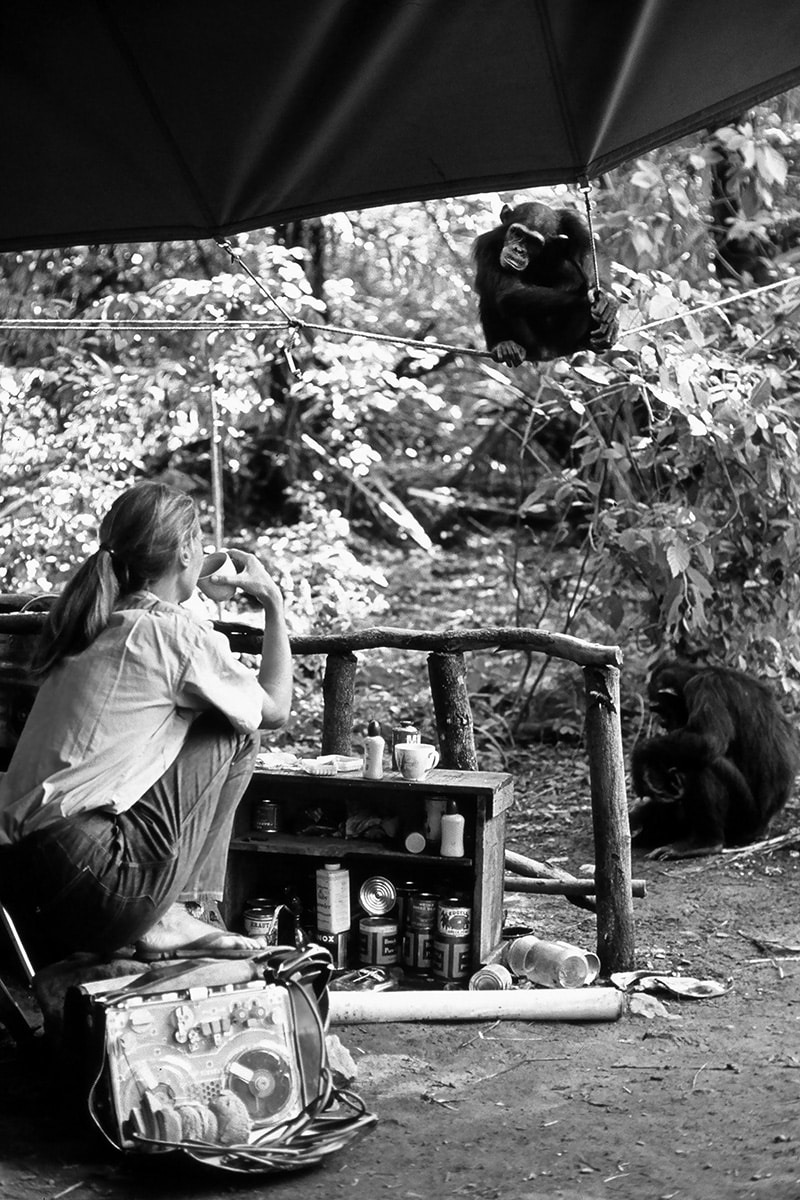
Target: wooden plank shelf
(336, 848)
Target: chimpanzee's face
(528, 226)
(520, 247)
(667, 699)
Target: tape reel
(262, 1079)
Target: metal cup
(218, 563)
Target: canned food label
(377, 942)
(262, 921)
(336, 943)
(422, 910)
(265, 817)
(451, 960)
(417, 949)
(403, 733)
(454, 919)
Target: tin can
(265, 816)
(417, 949)
(454, 918)
(451, 958)
(494, 977)
(377, 942)
(336, 943)
(422, 910)
(377, 896)
(403, 733)
(404, 893)
(260, 919)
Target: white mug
(415, 759)
(218, 563)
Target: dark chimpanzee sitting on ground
(724, 767)
(532, 279)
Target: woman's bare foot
(179, 934)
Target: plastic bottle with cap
(452, 832)
(374, 744)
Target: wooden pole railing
(447, 674)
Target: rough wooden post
(447, 674)
(17, 689)
(612, 839)
(338, 699)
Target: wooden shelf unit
(264, 864)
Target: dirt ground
(700, 1104)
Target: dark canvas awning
(137, 120)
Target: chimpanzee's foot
(685, 850)
(179, 934)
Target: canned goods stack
(378, 930)
(452, 945)
(418, 932)
(427, 933)
(436, 937)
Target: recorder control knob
(184, 1020)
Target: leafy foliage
(648, 496)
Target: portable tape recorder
(210, 1065)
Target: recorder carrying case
(233, 1074)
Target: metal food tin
(265, 816)
(451, 958)
(422, 910)
(260, 919)
(403, 733)
(377, 896)
(454, 917)
(417, 949)
(494, 977)
(404, 893)
(336, 943)
(377, 942)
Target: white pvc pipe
(529, 1004)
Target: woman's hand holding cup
(218, 576)
(225, 570)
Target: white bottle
(452, 832)
(374, 745)
(333, 898)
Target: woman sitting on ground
(119, 800)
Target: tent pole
(215, 450)
(586, 191)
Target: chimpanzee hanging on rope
(725, 765)
(533, 276)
